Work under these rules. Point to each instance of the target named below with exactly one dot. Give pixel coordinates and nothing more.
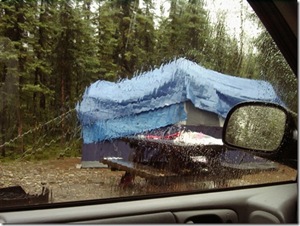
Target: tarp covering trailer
(156, 98)
(179, 92)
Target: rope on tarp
(36, 128)
(40, 141)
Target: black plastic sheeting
(16, 196)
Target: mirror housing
(263, 129)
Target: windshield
(103, 99)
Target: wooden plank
(137, 168)
(156, 176)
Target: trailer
(115, 118)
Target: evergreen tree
(185, 33)
(86, 65)
(39, 66)
(169, 34)
(274, 68)
(107, 40)
(223, 52)
(197, 30)
(13, 37)
(123, 55)
(144, 37)
(8, 91)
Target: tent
(177, 92)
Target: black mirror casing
(284, 147)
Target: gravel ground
(68, 182)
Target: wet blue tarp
(156, 98)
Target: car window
(106, 99)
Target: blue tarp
(156, 98)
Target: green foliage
(275, 69)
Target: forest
(51, 50)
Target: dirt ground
(68, 182)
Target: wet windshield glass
(103, 99)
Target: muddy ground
(68, 182)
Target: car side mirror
(263, 129)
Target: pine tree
(187, 28)
(107, 41)
(143, 37)
(275, 69)
(13, 34)
(86, 65)
(124, 55)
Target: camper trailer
(127, 121)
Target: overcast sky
(232, 8)
(233, 12)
